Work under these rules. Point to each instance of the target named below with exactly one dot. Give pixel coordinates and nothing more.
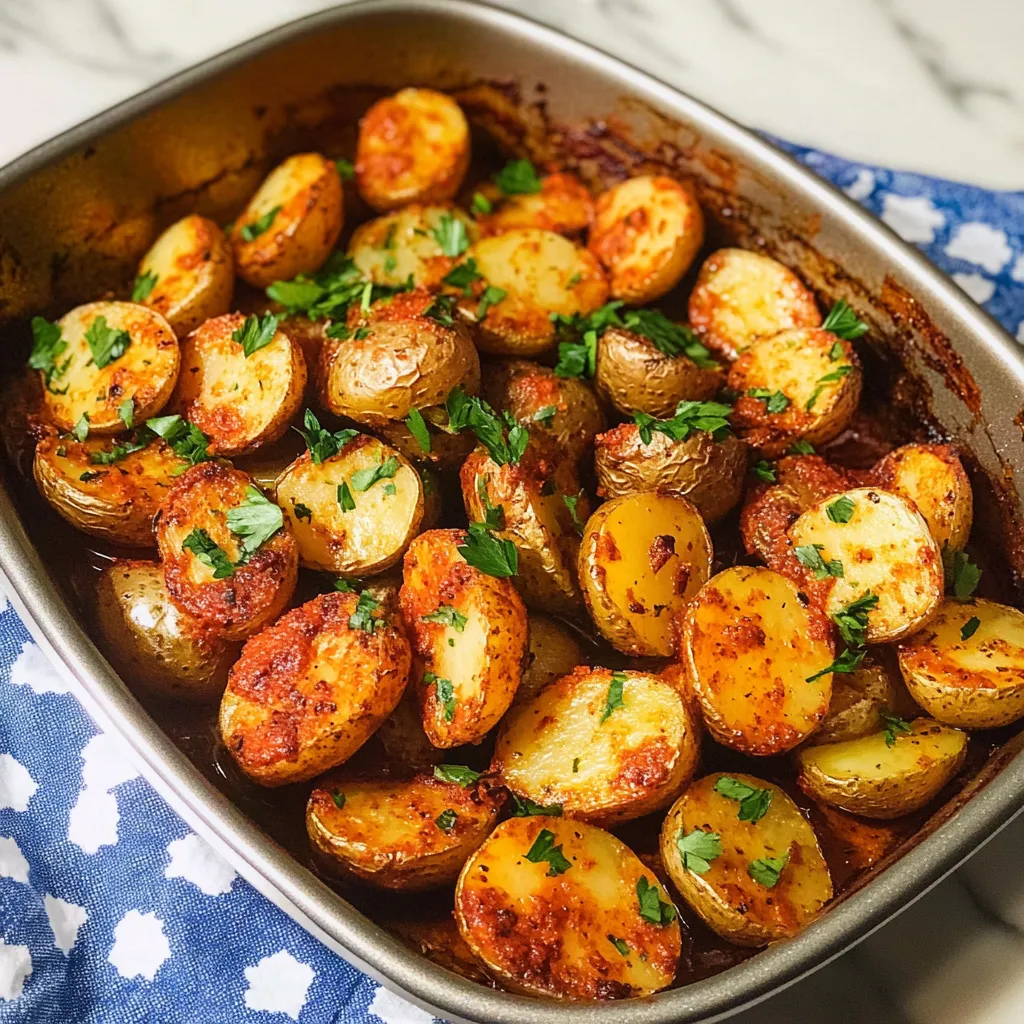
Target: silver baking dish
(76, 213)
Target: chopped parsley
(669, 338)
(698, 849)
(363, 617)
(364, 479)
(571, 501)
(463, 276)
(518, 177)
(840, 510)
(893, 726)
(768, 870)
(418, 428)
(201, 544)
(303, 512)
(830, 378)
(853, 619)
(457, 773)
(492, 295)
(711, 417)
(489, 554)
(577, 339)
(754, 802)
(480, 204)
(652, 907)
(446, 615)
(847, 662)
(544, 849)
(524, 807)
(494, 515)
(843, 322)
(614, 699)
(106, 343)
(255, 521)
(345, 499)
(339, 798)
(970, 627)
(620, 944)
(800, 447)
(809, 556)
(962, 575)
(144, 284)
(440, 310)
(346, 168)
(255, 333)
(765, 471)
(251, 231)
(80, 431)
(445, 821)
(504, 438)
(322, 444)
(445, 694)
(545, 415)
(47, 345)
(126, 413)
(187, 441)
(450, 235)
(774, 401)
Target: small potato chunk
(539, 273)
(797, 385)
(192, 271)
(642, 558)
(877, 779)
(447, 451)
(413, 148)
(116, 352)
(157, 650)
(966, 667)
(741, 297)
(749, 646)
(753, 882)
(469, 634)
(646, 232)
(405, 834)
(857, 699)
(292, 223)
(402, 737)
(884, 549)
(554, 652)
(355, 513)
(240, 402)
(562, 205)
(709, 473)
(933, 478)
(224, 591)
(579, 930)
(607, 746)
(438, 940)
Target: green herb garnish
(544, 849)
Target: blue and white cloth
(113, 912)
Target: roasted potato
(291, 225)
(709, 473)
(188, 274)
(22, 417)
(642, 558)
(116, 356)
(266, 464)
(752, 650)
(581, 929)
(878, 546)
(525, 276)
(447, 450)
(933, 478)
(605, 746)
(553, 652)
(857, 699)
(240, 401)
(798, 385)
(751, 879)
(212, 571)
(562, 205)
(310, 690)
(885, 774)
(741, 297)
(405, 834)
(438, 939)
(413, 148)
(352, 514)
(966, 667)
(646, 232)
(469, 634)
(158, 650)
(403, 740)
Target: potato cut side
(606, 746)
(966, 667)
(876, 778)
(642, 558)
(553, 652)
(754, 879)
(405, 834)
(884, 550)
(750, 646)
(562, 205)
(578, 934)
(857, 700)
(646, 232)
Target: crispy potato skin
(307, 190)
(544, 935)
(386, 834)
(741, 297)
(23, 417)
(728, 900)
(857, 699)
(484, 662)
(646, 232)
(440, 942)
(447, 451)
(145, 373)
(707, 472)
(562, 205)
(403, 740)
(553, 652)
(413, 148)
(309, 690)
(258, 591)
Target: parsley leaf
(322, 444)
(488, 553)
(480, 204)
(518, 177)
(81, 429)
(774, 401)
(457, 773)
(840, 510)
(105, 343)
(491, 297)
(187, 441)
(620, 944)
(853, 619)
(201, 544)
(251, 231)
(364, 479)
(445, 821)
(122, 450)
(346, 168)
(962, 575)
(126, 413)
(47, 344)
(711, 417)
(809, 555)
(494, 515)
(339, 798)
(144, 284)
(571, 501)
(303, 512)
(847, 662)
(652, 907)
(445, 694)
(800, 447)
(256, 520)
(255, 333)
(754, 802)
(418, 428)
(577, 347)
(893, 725)
(830, 378)
(544, 849)
(440, 310)
(463, 276)
(698, 849)
(450, 235)
(764, 470)
(446, 615)
(524, 807)
(545, 415)
(614, 699)
(363, 617)
(671, 339)
(503, 437)
(970, 627)
(843, 322)
(768, 870)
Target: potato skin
(553, 652)
(309, 690)
(562, 205)
(447, 451)
(857, 699)
(596, 897)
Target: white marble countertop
(935, 86)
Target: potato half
(308, 691)
(562, 205)
(553, 652)
(403, 740)
(578, 933)
(642, 558)
(857, 700)
(438, 940)
(405, 834)
(646, 232)
(447, 450)
(768, 879)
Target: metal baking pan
(76, 214)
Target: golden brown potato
(292, 223)
(646, 232)
(741, 854)
(605, 746)
(413, 148)
(581, 929)
(642, 558)
(469, 634)
(354, 513)
(116, 356)
(741, 297)
(212, 569)
(402, 738)
(562, 205)
(241, 402)
(798, 385)
(447, 450)
(22, 417)
(405, 834)
(438, 940)
(553, 652)
(188, 274)
(857, 699)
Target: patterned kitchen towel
(113, 912)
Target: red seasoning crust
(563, 205)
